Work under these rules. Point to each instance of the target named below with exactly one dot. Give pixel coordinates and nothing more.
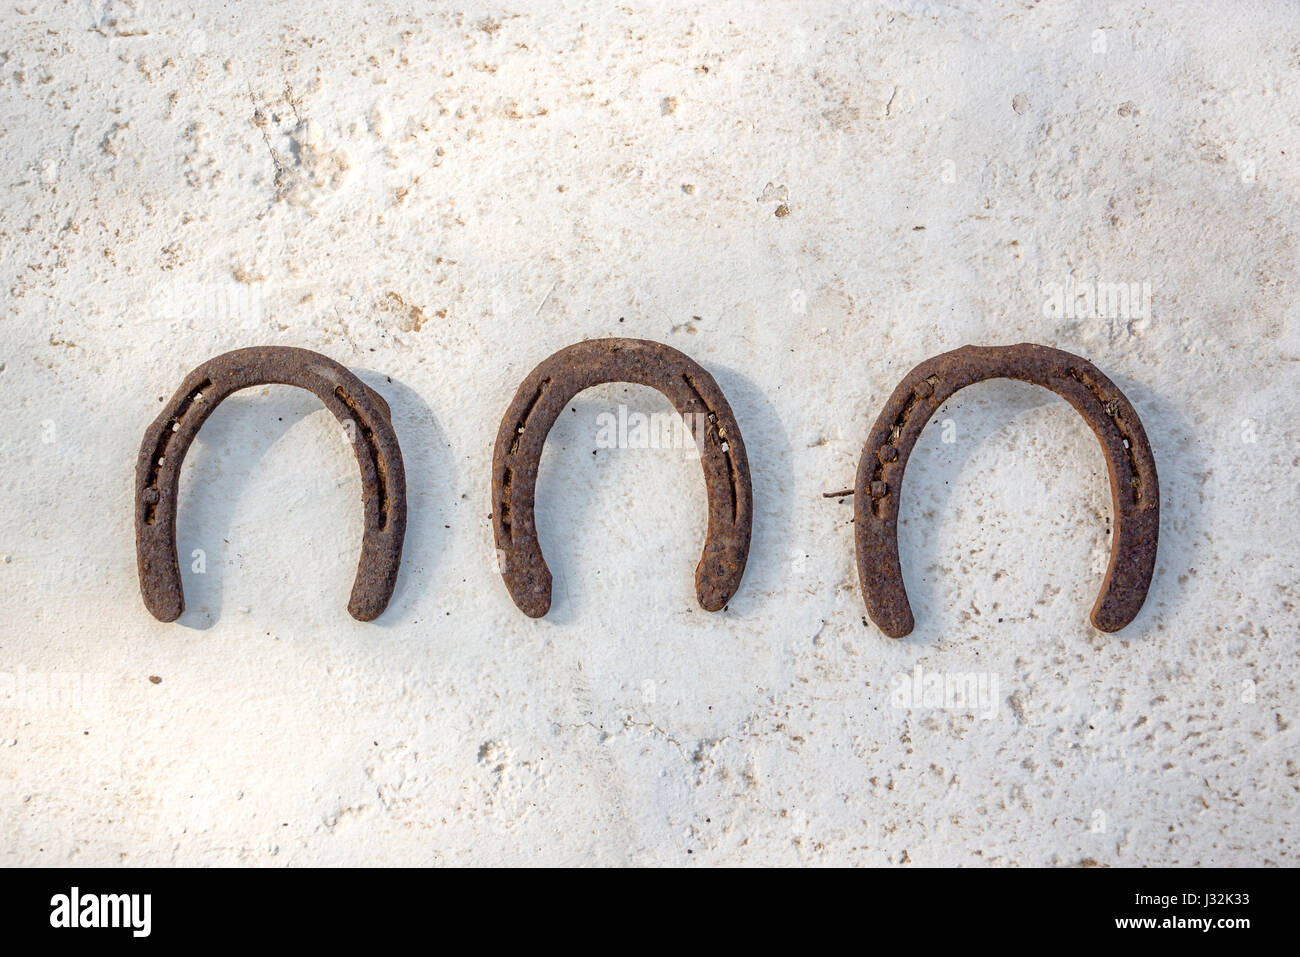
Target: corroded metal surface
(1135, 490)
(365, 416)
(541, 398)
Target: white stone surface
(440, 198)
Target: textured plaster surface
(806, 198)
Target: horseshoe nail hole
(734, 488)
(176, 426)
(528, 410)
(1111, 408)
(151, 497)
(367, 437)
(879, 489)
(507, 479)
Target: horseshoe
(365, 416)
(1135, 490)
(542, 397)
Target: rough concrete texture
(808, 199)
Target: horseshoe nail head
(365, 416)
(1135, 489)
(541, 398)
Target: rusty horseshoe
(538, 403)
(1135, 491)
(365, 416)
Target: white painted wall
(441, 199)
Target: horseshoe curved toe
(541, 398)
(1135, 490)
(365, 416)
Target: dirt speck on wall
(808, 202)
